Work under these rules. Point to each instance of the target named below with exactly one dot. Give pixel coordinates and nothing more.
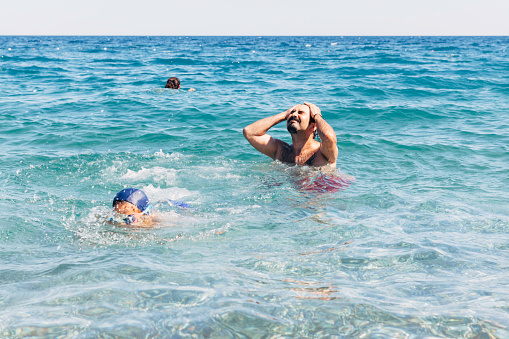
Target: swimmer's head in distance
(173, 82)
(134, 196)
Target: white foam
(111, 171)
(156, 194)
(158, 174)
(174, 155)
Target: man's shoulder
(283, 144)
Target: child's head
(130, 201)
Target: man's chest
(310, 157)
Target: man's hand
(313, 110)
(289, 112)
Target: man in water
(301, 121)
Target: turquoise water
(417, 246)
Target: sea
(407, 238)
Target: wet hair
(173, 83)
(315, 132)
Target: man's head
(299, 119)
(173, 83)
(130, 201)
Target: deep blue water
(417, 246)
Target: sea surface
(408, 238)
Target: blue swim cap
(134, 196)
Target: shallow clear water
(417, 246)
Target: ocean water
(417, 246)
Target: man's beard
(291, 127)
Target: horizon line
(247, 35)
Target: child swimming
(133, 208)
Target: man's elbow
(249, 134)
(246, 133)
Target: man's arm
(257, 137)
(328, 145)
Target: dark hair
(315, 132)
(173, 83)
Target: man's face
(298, 119)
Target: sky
(254, 17)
